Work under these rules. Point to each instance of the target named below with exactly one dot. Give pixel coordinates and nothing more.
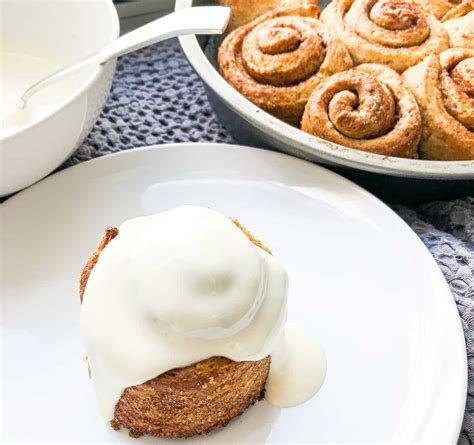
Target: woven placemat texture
(156, 98)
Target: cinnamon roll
(444, 88)
(277, 60)
(396, 33)
(367, 108)
(441, 8)
(244, 11)
(185, 401)
(459, 23)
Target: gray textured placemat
(157, 99)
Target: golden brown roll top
(441, 9)
(444, 88)
(459, 23)
(277, 60)
(244, 11)
(396, 33)
(367, 108)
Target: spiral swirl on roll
(396, 33)
(443, 85)
(277, 60)
(367, 108)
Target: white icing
(298, 368)
(20, 71)
(173, 289)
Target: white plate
(360, 279)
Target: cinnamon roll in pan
(390, 32)
(277, 60)
(444, 88)
(186, 401)
(244, 11)
(367, 108)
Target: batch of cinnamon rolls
(393, 77)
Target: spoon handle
(199, 20)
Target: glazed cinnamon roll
(277, 60)
(244, 11)
(396, 33)
(444, 88)
(441, 8)
(367, 108)
(459, 23)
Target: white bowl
(65, 31)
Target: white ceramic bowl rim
(115, 31)
(309, 145)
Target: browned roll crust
(277, 60)
(441, 9)
(109, 235)
(367, 108)
(444, 89)
(192, 400)
(460, 26)
(396, 33)
(244, 11)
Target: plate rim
(239, 149)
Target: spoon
(199, 20)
